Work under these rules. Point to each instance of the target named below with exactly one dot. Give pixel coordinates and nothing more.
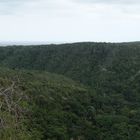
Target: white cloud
(69, 20)
(126, 2)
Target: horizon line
(26, 43)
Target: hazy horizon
(11, 43)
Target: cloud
(70, 20)
(49, 8)
(67, 8)
(9, 7)
(126, 2)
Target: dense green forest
(80, 91)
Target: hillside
(39, 105)
(105, 67)
(90, 92)
(84, 62)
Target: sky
(69, 20)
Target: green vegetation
(90, 92)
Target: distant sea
(25, 43)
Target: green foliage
(102, 102)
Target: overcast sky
(70, 20)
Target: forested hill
(84, 62)
(93, 93)
(42, 106)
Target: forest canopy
(80, 91)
